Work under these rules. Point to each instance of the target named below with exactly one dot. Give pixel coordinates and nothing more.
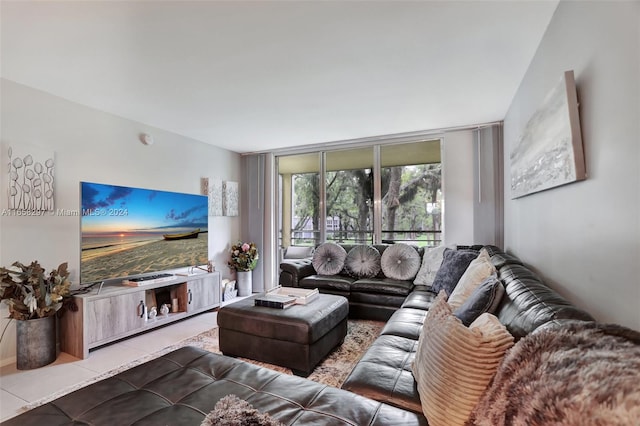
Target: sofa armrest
(293, 270)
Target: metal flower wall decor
(31, 179)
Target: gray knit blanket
(576, 374)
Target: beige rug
(333, 370)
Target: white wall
(458, 186)
(94, 146)
(584, 238)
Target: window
(379, 193)
(349, 199)
(411, 193)
(299, 217)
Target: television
(129, 231)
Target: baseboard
(7, 361)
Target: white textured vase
(244, 283)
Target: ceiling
(264, 75)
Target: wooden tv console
(115, 311)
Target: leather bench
(297, 337)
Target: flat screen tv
(132, 231)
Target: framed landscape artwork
(549, 153)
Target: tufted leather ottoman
(297, 337)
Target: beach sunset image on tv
(130, 231)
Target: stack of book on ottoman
(283, 297)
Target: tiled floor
(18, 388)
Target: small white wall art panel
(31, 178)
(212, 187)
(230, 198)
(549, 153)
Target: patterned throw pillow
(328, 259)
(454, 263)
(485, 298)
(363, 262)
(431, 261)
(400, 262)
(478, 270)
(454, 364)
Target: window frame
(377, 182)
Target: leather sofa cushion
(384, 373)
(499, 258)
(405, 322)
(528, 303)
(300, 324)
(419, 299)
(327, 283)
(292, 269)
(382, 286)
(388, 300)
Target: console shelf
(115, 311)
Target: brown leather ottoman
(297, 337)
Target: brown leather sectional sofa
(384, 371)
(181, 387)
(369, 298)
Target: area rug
(332, 371)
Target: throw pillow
(400, 262)
(363, 262)
(485, 298)
(431, 261)
(576, 373)
(454, 364)
(232, 410)
(478, 270)
(454, 263)
(298, 252)
(328, 259)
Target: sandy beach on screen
(94, 253)
(142, 257)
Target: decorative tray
(302, 295)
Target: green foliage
(306, 199)
(349, 197)
(29, 293)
